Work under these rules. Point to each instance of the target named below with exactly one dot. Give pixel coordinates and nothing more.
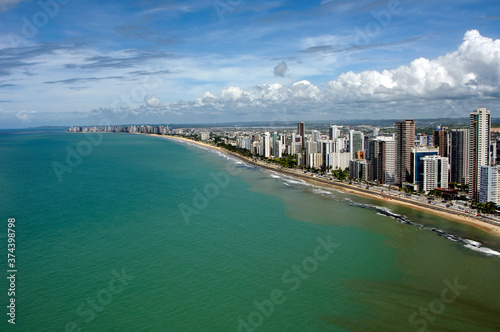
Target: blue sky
(87, 62)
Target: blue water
(105, 246)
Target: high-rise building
(275, 145)
(356, 142)
(421, 139)
(267, 145)
(417, 163)
(490, 187)
(459, 156)
(333, 132)
(441, 141)
(312, 147)
(405, 141)
(435, 173)
(493, 153)
(358, 169)
(374, 168)
(315, 136)
(389, 169)
(302, 132)
(479, 148)
(205, 135)
(497, 162)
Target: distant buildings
(461, 156)
(204, 135)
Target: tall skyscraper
(266, 145)
(275, 145)
(374, 158)
(356, 142)
(441, 140)
(459, 156)
(302, 132)
(479, 148)
(405, 141)
(388, 154)
(333, 132)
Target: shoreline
(453, 215)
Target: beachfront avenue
(293, 278)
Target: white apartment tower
(490, 189)
(435, 173)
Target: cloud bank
(455, 81)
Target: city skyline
(218, 61)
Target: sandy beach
(454, 215)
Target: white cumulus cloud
(472, 70)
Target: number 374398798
(11, 246)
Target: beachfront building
(266, 145)
(204, 135)
(490, 188)
(337, 160)
(356, 142)
(275, 145)
(459, 156)
(417, 164)
(405, 141)
(435, 173)
(389, 169)
(374, 157)
(314, 160)
(479, 148)
(358, 169)
(245, 143)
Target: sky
(67, 62)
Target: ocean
(121, 232)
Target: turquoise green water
(108, 249)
